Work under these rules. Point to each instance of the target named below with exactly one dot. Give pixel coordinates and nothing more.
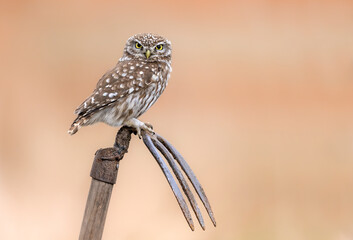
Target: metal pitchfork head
(154, 143)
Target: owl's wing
(126, 78)
(96, 100)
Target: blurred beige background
(260, 103)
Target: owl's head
(148, 47)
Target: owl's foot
(138, 125)
(149, 126)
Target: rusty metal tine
(186, 168)
(178, 195)
(180, 178)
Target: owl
(131, 87)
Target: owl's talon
(149, 125)
(148, 128)
(139, 126)
(139, 132)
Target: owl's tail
(76, 125)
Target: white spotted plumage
(131, 87)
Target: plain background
(260, 103)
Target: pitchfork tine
(180, 178)
(178, 195)
(186, 168)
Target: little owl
(131, 87)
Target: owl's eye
(138, 45)
(159, 47)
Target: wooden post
(104, 174)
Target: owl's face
(149, 47)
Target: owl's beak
(148, 53)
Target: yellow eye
(138, 45)
(159, 47)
